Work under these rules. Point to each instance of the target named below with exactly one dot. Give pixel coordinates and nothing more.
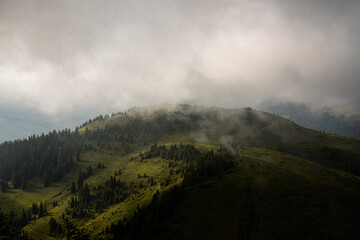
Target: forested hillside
(145, 173)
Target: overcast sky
(68, 58)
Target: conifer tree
(24, 218)
(74, 233)
(41, 210)
(53, 225)
(4, 185)
(73, 187)
(35, 209)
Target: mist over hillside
(344, 120)
(230, 54)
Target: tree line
(48, 156)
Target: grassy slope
(272, 196)
(39, 228)
(280, 134)
(156, 168)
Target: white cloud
(65, 57)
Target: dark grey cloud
(67, 58)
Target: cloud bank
(65, 58)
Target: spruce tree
(4, 185)
(23, 184)
(41, 210)
(73, 187)
(24, 219)
(35, 209)
(53, 225)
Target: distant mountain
(12, 128)
(344, 120)
(19, 124)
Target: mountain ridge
(143, 154)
